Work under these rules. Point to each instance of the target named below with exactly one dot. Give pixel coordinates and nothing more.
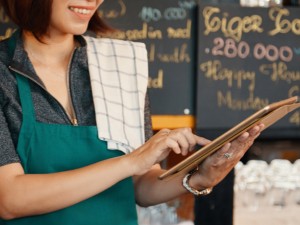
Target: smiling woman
(75, 14)
(75, 128)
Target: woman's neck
(52, 50)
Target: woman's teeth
(80, 10)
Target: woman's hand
(157, 148)
(214, 168)
(150, 190)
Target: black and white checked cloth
(119, 77)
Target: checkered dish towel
(119, 76)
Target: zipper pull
(75, 122)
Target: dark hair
(34, 16)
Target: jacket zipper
(73, 120)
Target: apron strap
(23, 88)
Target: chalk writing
(283, 25)
(230, 49)
(146, 32)
(157, 82)
(151, 14)
(184, 33)
(251, 103)
(187, 4)
(213, 70)
(294, 91)
(295, 118)
(279, 72)
(248, 58)
(178, 55)
(231, 27)
(273, 53)
(117, 12)
(175, 13)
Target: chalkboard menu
(166, 27)
(247, 58)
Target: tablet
(267, 115)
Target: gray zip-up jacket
(47, 108)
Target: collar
(21, 62)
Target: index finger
(201, 140)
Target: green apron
(49, 148)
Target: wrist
(197, 190)
(134, 162)
(128, 163)
(194, 181)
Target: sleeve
(8, 153)
(148, 121)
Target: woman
(60, 163)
